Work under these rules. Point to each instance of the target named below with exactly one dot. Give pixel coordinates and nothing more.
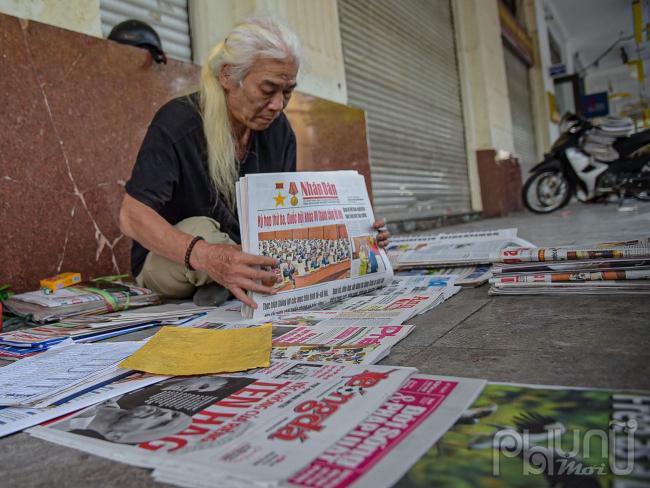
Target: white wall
(548, 20)
(617, 79)
(315, 21)
(484, 88)
(76, 15)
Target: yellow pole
(638, 21)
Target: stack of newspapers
(463, 257)
(621, 267)
(83, 298)
(319, 227)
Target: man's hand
(235, 270)
(382, 237)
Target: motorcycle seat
(627, 145)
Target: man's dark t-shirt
(171, 171)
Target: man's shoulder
(178, 117)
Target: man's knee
(196, 225)
(205, 227)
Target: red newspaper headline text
(244, 398)
(302, 217)
(314, 413)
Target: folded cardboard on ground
(175, 351)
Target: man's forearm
(145, 225)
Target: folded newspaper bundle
(319, 226)
(85, 298)
(621, 267)
(295, 423)
(457, 249)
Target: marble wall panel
(74, 110)
(330, 136)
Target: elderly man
(180, 207)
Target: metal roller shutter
(400, 66)
(521, 111)
(168, 17)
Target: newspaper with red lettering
(457, 249)
(620, 267)
(319, 227)
(397, 307)
(369, 310)
(308, 340)
(266, 423)
(378, 450)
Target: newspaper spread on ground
(23, 343)
(319, 226)
(379, 450)
(409, 285)
(266, 423)
(369, 311)
(473, 275)
(457, 249)
(397, 307)
(534, 435)
(15, 419)
(345, 345)
(39, 380)
(310, 341)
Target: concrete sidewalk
(574, 340)
(591, 341)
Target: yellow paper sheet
(174, 351)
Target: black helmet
(141, 34)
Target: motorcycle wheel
(644, 195)
(546, 191)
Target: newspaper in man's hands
(319, 226)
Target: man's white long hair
(253, 39)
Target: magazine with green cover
(530, 436)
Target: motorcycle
(591, 162)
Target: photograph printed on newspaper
(541, 436)
(14, 419)
(345, 345)
(319, 228)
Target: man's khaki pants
(173, 280)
